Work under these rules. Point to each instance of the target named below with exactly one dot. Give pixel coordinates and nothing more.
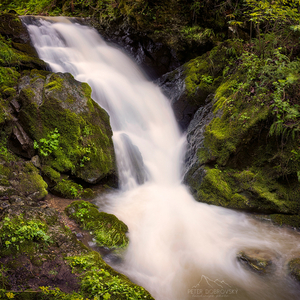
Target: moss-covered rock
(22, 180)
(108, 230)
(294, 268)
(286, 220)
(257, 261)
(189, 85)
(78, 139)
(16, 50)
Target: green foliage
(57, 294)
(18, 232)
(3, 276)
(98, 280)
(47, 145)
(197, 34)
(102, 283)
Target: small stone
(36, 161)
(79, 235)
(16, 200)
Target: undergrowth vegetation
(17, 234)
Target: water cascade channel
(179, 249)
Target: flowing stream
(179, 248)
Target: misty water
(179, 248)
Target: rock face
(194, 172)
(12, 28)
(174, 87)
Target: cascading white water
(179, 248)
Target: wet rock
(256, 260)
(193, 171)
(16, 106)
(294, 268)
(173, 86)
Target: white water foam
(179, 248)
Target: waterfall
(179, 248)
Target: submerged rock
(256, 260)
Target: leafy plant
(17, 231)
(47, 145)
(207, 79)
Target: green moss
(107, 229)
(34, 73)
(56, 83)
(215, 189)
(22, 178)
(204, 74)
(87, 194)
(9, 92)
(68, 189)
(250, 190)
(31, 182)
(8, 77)
(51, 173)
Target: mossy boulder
(294, 268)
(107, 229)
(78, 140)
(240, 159)
(258, 261)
